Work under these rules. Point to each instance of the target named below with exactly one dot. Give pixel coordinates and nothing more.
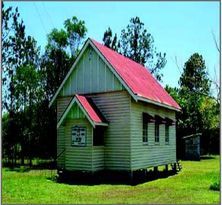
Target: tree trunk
(22, 160)
(30, 161)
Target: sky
(179, 28)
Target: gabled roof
(137, 79)
(88, 108)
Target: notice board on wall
(78, 136)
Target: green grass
(191, 185)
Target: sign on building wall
(78, 136)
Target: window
(78, 136)
(98, 136)
(145, 132)
(147, 118)
(167, 134)
(157, 133)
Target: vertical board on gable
(143, 156)
(91, 75)
(75, 112)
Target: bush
(215, 186)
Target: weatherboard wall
(78, 158)
(62, 103)
(153, 154)
(90, 75)
(87, 158)
(61, 147)
(115, 106)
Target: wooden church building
(112, 114)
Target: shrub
(215, 186)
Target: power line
(47, 13)
(41, 21)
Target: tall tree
(195, 78)
(137, 44)
(28, 93)
(76, 32)
(18, 50)
(195, 86)
(200, 111)
(110, 41)
(57, 60)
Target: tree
(137, 44)
(109, 41)
(28, 92)
(56, 60)
(195, 86)
(18, 50)
(174, 92)
(76, 32)
(195, 78)
(200, 111)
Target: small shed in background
(192, 146)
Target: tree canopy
(200, 110)
(137, 44)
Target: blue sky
(178, 28)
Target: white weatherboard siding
(78, 158)
(60, 147)
(115, 155)
(98, 158)
(123, 148)
(143, 156)
(88, 158)
(115, 107)
(91, 75)
(62, 104)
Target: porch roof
(90, 110)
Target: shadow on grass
(206, 157)
(111, 179)
(26, 168)
(18, 169)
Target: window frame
(145, 133)
(72, 141)
(157, 132)
(167, 133)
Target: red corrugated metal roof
(93, 114)
(137, 77)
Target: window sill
(78, 145)
(98, 145)
(145, 143)
(157, 143)
(167, 143)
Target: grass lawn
(191, 185)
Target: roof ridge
(141, 82)
(93, 40)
